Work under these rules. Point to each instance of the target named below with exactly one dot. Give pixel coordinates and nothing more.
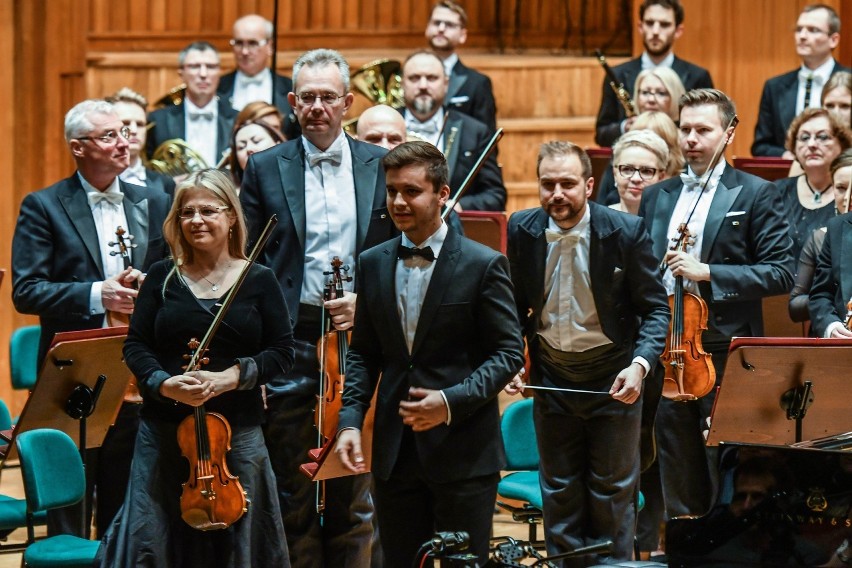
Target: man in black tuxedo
(785, 96)
(202, 119)
(660, 24)
(741, 254)
(329, 195)
(595, 314)
(63, 272)
(460, 137)
(469, 91)
(253, 80)
(437, 323)
(130, 107)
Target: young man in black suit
(469, 91)
(741, 254)
(202, 119)
(435, 319)
(253, 80)
(595, 314)
(660, 24)
(785, 96)
(460, 137)
(329, 194)
(62, 270)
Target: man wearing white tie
(741, 254)
(202, 119)
(63, 269)
(460, 137)
(785, 96)
(594, 314)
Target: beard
(664, 48)
(424, 105)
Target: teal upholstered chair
(13, 512)
(521, 483)
(23, 356)
(53, 477)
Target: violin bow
(489, 148)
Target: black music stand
(781, 391)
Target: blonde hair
(663, 126)
(670, 80)
(646, 139)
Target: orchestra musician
(436, 320)
(206, 234)
(595, 314)
(63, 272)
(329, 194)
(383, 126)
(741, 254)
(660, 24)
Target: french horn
(380, 82)
(174, 158)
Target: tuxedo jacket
(777, 110)
(467, 344)
(611, 113)
(56, 256)
(464, 140)
(281, 86)
(170, 122)
(629, 296)
(274, 183)
(832, 284)
(470, 92)
(746, 242)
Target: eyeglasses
(445, 23)
(328, 99)
(810, 30)
(250, 44)
(110, 137)
(196, 67)
(206, 211)
(821, 138)
(654, 94)
(627, 172)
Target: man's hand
(186, 389)
(686, 265)
(115, 295)
(628, 384)
(348, 450)
(342, 310)
(424, 410)
(516, 385)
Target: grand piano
(783, 424)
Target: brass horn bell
(380, 81)
(174, 157)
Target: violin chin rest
(198, 519)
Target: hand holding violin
(219, 381)
(197, 387)
(342, 310)
(686, 265)
(116, 293)
(348, 450)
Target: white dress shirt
(685, 203)
(250, 89)
(108, 217)
(202, 130)
(135, 174)
(331, 217)
(449, 63)
(647, 63)
(820, 77)
(429, 130)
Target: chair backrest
(23, 356)
(51, 469)
(519, 436)
(486, 227)
(5, 416)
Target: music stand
(780, 391)
(77, 358)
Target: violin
(689, 369)
(212, 498)
(332, 348)
(847, 321)
(124, 246)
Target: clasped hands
(197, 387)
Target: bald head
(252, 44)
(383, 126)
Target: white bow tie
(334, 156)
(557, 236)
(205, 115)
(424, 128)
(96, 197)
(248, 81)
(690, 183)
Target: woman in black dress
(206, 233)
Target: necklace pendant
(817, 197)
(215, 287)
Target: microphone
(450, 541)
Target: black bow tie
(407, 252)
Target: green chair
(13, 512)
(23, 356)
(53, 477)
(521, 484)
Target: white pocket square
(734, 213)
(459, 99)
